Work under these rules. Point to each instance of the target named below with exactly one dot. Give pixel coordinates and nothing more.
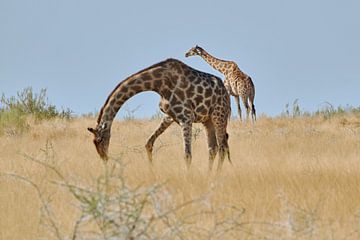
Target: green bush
(15, 109)
(29, 103)
(12, 122)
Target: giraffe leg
(228, 151)
(212, 142)
(220, 124)
(253, 112)
(165, 123)
(252, 106)
(237, 100)
(187, 131)
(223, 148)
(246, 104)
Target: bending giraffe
(237, 83)
(187, 96)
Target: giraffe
(237, 83)
(187, 96)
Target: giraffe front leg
(212, 142)
(165, 123)
(187, 134)
(237, 100)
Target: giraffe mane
(122, 82)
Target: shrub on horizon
(15, 109)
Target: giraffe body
(187, 96)
(237, 83)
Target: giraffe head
(194, 51)
(101, 139)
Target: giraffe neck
(216, 63)
(146, 80)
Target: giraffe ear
(91, 130)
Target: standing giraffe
(237, 83)
(187, 96)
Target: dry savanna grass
(294, 178)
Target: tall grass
(291, 178)
(12, 122)
(112, 209)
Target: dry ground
(295, 178)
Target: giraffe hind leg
(249, 109)
(252, 105)
(165, 123)
(253, 112)
(212, 142)
(187, 135)
(246, 104)
(220, 124)
(251, 99)
(223, 151)
(228, 152)
(237, 100)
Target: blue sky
(79, 50)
